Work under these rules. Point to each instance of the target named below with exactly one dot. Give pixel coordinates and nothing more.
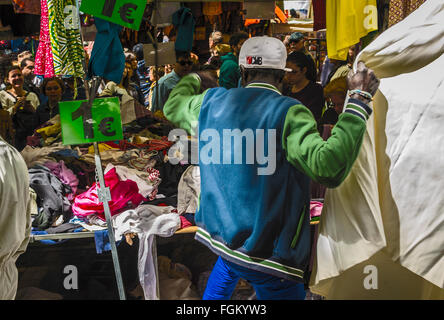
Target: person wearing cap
(229, 73)
(296, 42)
(142, 73)
(256, 218)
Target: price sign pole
(104, 128)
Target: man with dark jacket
(254, 207)
(229, 73)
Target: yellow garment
(50, 130)
(388, 212)
(102, 147)
(347, 22)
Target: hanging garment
(66, 43)
(15, 216)
(319, 10)
(347, 22)
(44, 64)
(184, 22)
(387, 214)
(399, 9)
(147, 221)
(107, 58)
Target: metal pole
(105, 196)
(102, 191)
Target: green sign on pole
(127, 13)
(101, 122)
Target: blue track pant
(225, 275)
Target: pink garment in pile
(65, 175)
(44, 64)
(123, 194)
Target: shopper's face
(296, 75)
(183, 66)
(15, 78)
(28, 70)
(53, 91)
(296, 45)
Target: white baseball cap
(263, 52)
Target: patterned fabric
(399, 9)
(66, 44)
(43, 60)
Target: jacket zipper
(298, 230)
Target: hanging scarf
(66, 44)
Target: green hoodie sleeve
(183, 105)
(327, 162)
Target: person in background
(20, 104)
(27, 67)
(342, 68)
(53, 89)
(168, 68)
(155, 74)
(132, 84)
(214, 39)
(165, 84)
(335, 93)
(142, 74)
(298, 86)
(296, 42)
(15, 216)
(260, 228)
(71, 85)
(229, 73)
(23, 55)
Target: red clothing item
(124, 194)
(319, 10)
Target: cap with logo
(263, 52)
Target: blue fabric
(107, 58)
(102, 241)
(256, 215)
(67, 153)
(183, 20)
(225, 275)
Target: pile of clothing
(136, 170)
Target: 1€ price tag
(127, 13)
(81, 124)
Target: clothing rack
(87, 234)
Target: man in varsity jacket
(254, 202)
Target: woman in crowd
(53, 89)
(20, 104)
(300, 87)
(155, 74)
